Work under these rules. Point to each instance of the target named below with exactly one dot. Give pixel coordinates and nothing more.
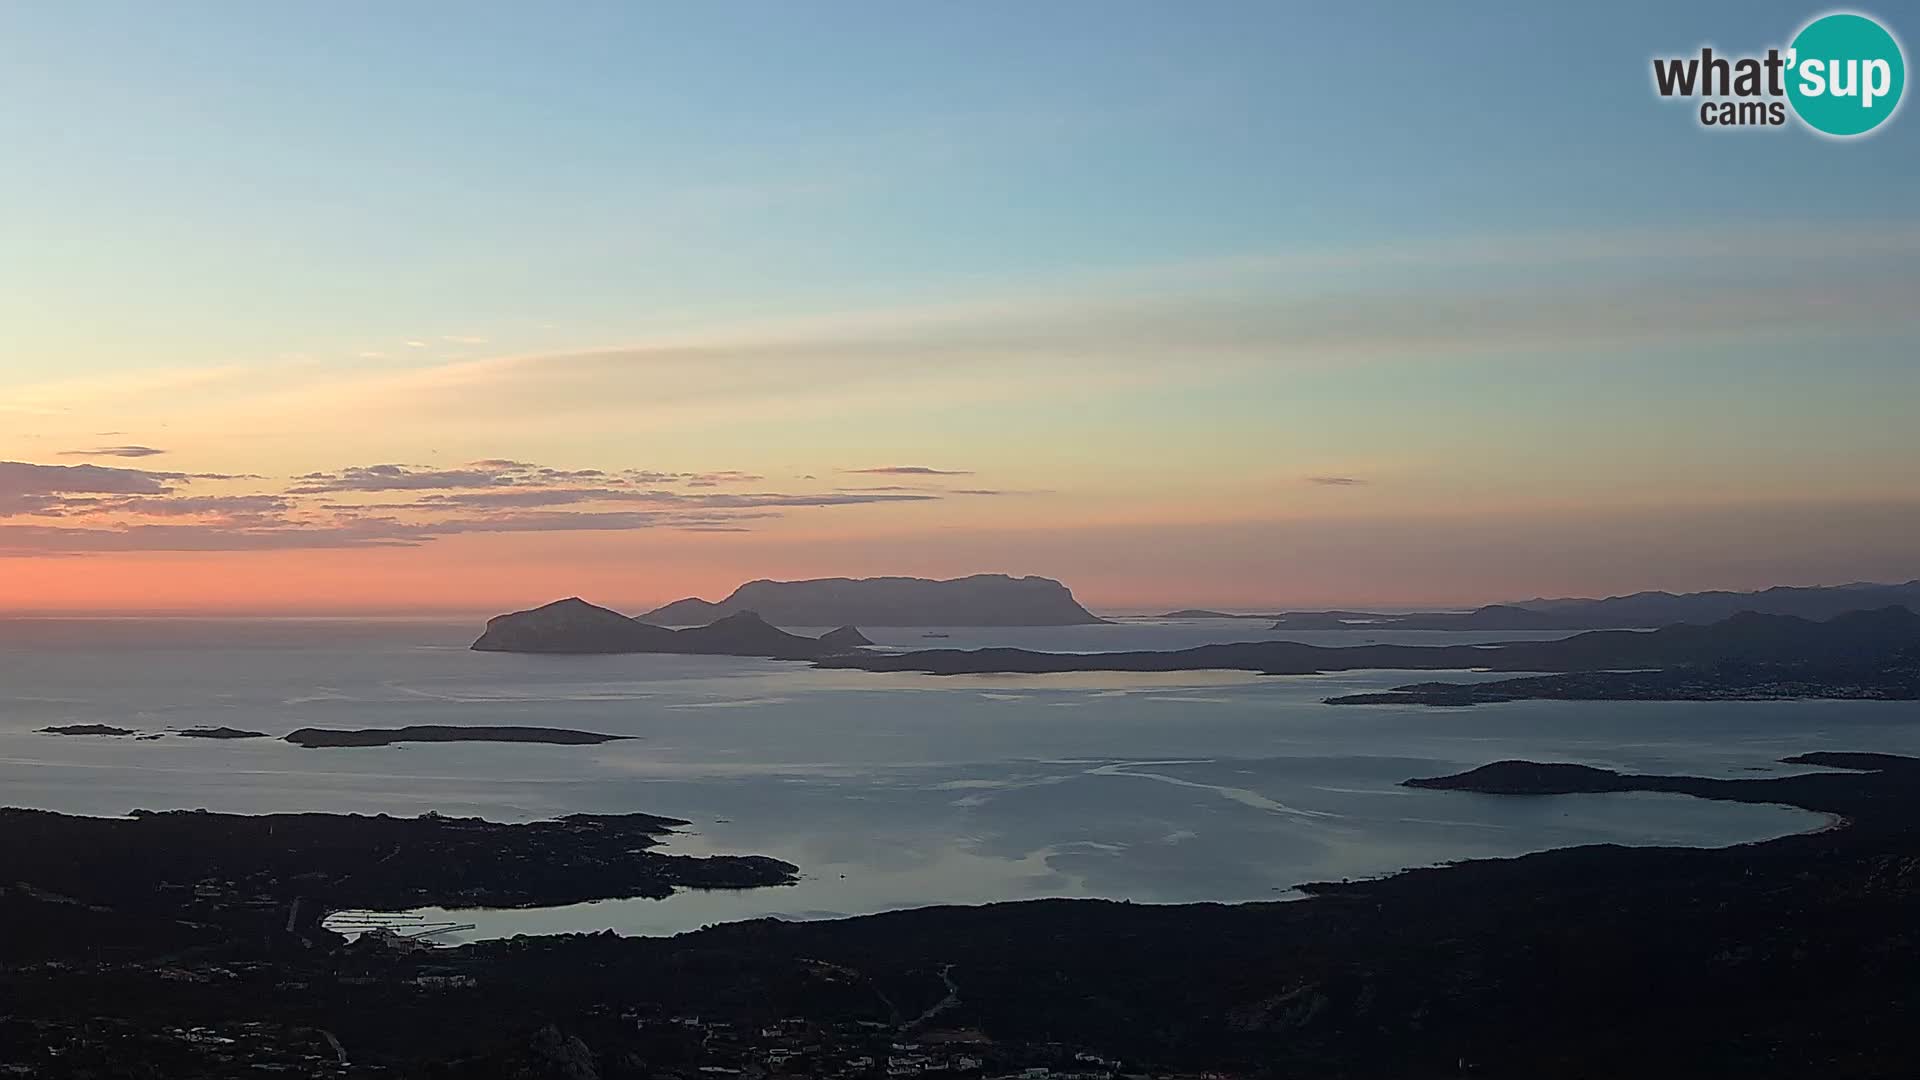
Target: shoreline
(1503, 962)
(1299, 890)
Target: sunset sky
(369, 307)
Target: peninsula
(1861, 637)
(208, 878)
(1892, 678)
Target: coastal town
(654, 1041)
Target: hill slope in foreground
(1789, 958)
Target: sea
(887, 790)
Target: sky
(370, 307)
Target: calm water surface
(887, 790)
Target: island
(979, 600)
(219, 733)
(87, 729)
(1829, 792)
(845, 637)
(577, 627)
(331, 737)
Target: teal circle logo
(1845, 74)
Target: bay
(888, 790)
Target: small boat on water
(936, 635)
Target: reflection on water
(1137, 860)
(887, 790)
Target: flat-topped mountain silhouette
(575, 626)
(980, 600)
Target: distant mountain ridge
(1806, 602)
(1642, 609)
(1857, 637)
(979, 600)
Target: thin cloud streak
(114, 451)
(1157, 326)
(490, 495)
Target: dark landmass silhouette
(188, 733)
(1660, 608)
(1783, 959)
(575, 626)
(1492, 617)
(845, 637)
(1893, 678)
(571, 626)
(330, 737)
(198, 878)
(1827, 791)
(1861, 637)
(1203, 613)
(87, 729)
(1643, 609)
(979, 600)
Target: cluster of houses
(94, 1045)
(867, 1050)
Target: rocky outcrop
(846, 637)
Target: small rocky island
(442, 733)
(979, 600)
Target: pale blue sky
(606, 165)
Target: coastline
(1680, 949)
